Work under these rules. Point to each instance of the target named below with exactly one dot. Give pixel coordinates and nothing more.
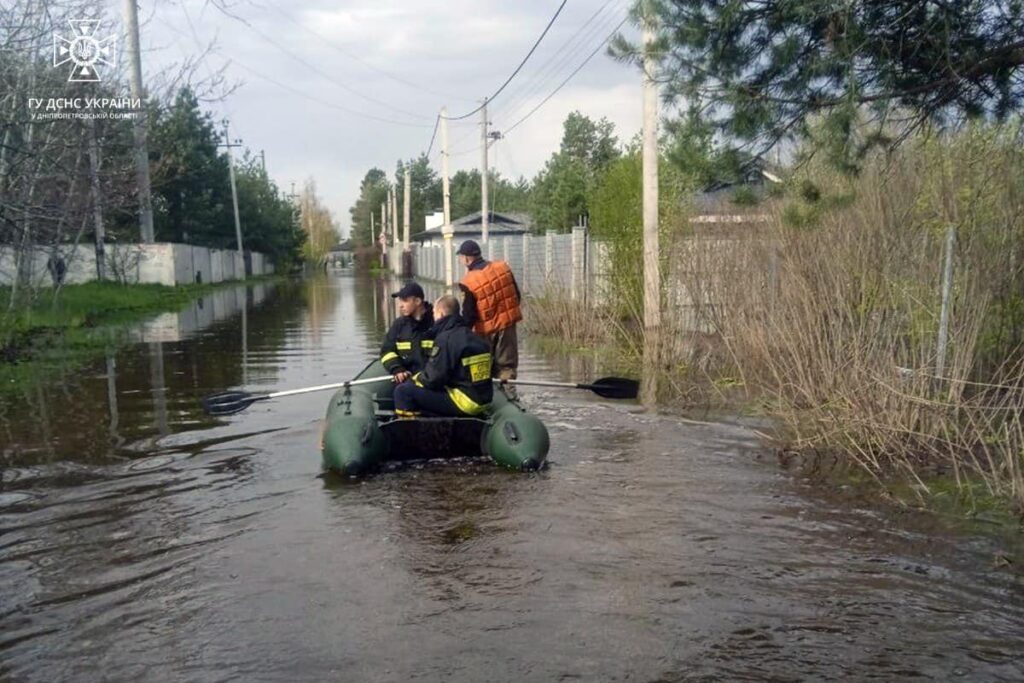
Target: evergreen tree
(869, 72)
(425, 192)
(191, 187)
(373, 191)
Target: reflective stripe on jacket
(407, 343)
(459, 363)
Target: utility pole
(406, 214)
(652, 276)
(394, 230)
(131, 20)
(384, 233)
(446, 229)
(263, 161)
(234, 193)
(484, 218)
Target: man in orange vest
(491, 306)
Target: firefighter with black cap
(491, 306)
(405, 348)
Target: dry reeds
(834, 321)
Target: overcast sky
(434, 52)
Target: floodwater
(141, 540)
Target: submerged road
(142, 540)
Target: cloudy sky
(331, 88)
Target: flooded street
(142, 540)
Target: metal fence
(561, 264)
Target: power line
(541, 77)
(525, 86)
(554, 73)
(358, 59)
(325, 103)
(521, 65)
(568, 78)
(327, 76)
(433, 135)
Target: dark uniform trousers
(409, 397)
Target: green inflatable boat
(362, 431)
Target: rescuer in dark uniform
(405, 348)
(457, 378)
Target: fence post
(577, 283)
(549, 253)
(525, 282)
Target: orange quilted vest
(495, 291)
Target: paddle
(606, 387)
(231, 402)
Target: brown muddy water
(141, 540)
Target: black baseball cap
(469, 248)
(410, 290)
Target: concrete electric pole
(446, 229)
(652, 275)
(484, 217)
(384, 234)
(234, 193)
(131, 20)
(397, 266)
(406, 215)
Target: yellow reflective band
(406, 413)
(404, 346)
(416, 380)
(465, 403)
(479, 367)
(427, 343)
(389, 356)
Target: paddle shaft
(324, 387)
(531, 383)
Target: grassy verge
(85, 321)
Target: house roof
(499, 224)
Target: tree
(691, 148)
(464, 187)
(317, 224)
(191, 187)
(616, 218)
(592, 143)
(560, 190)
(559, 195)
(425, 191)
(871, 72)
(268, 218)
(373, 191)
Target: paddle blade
(228, 402)
(614, 387)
